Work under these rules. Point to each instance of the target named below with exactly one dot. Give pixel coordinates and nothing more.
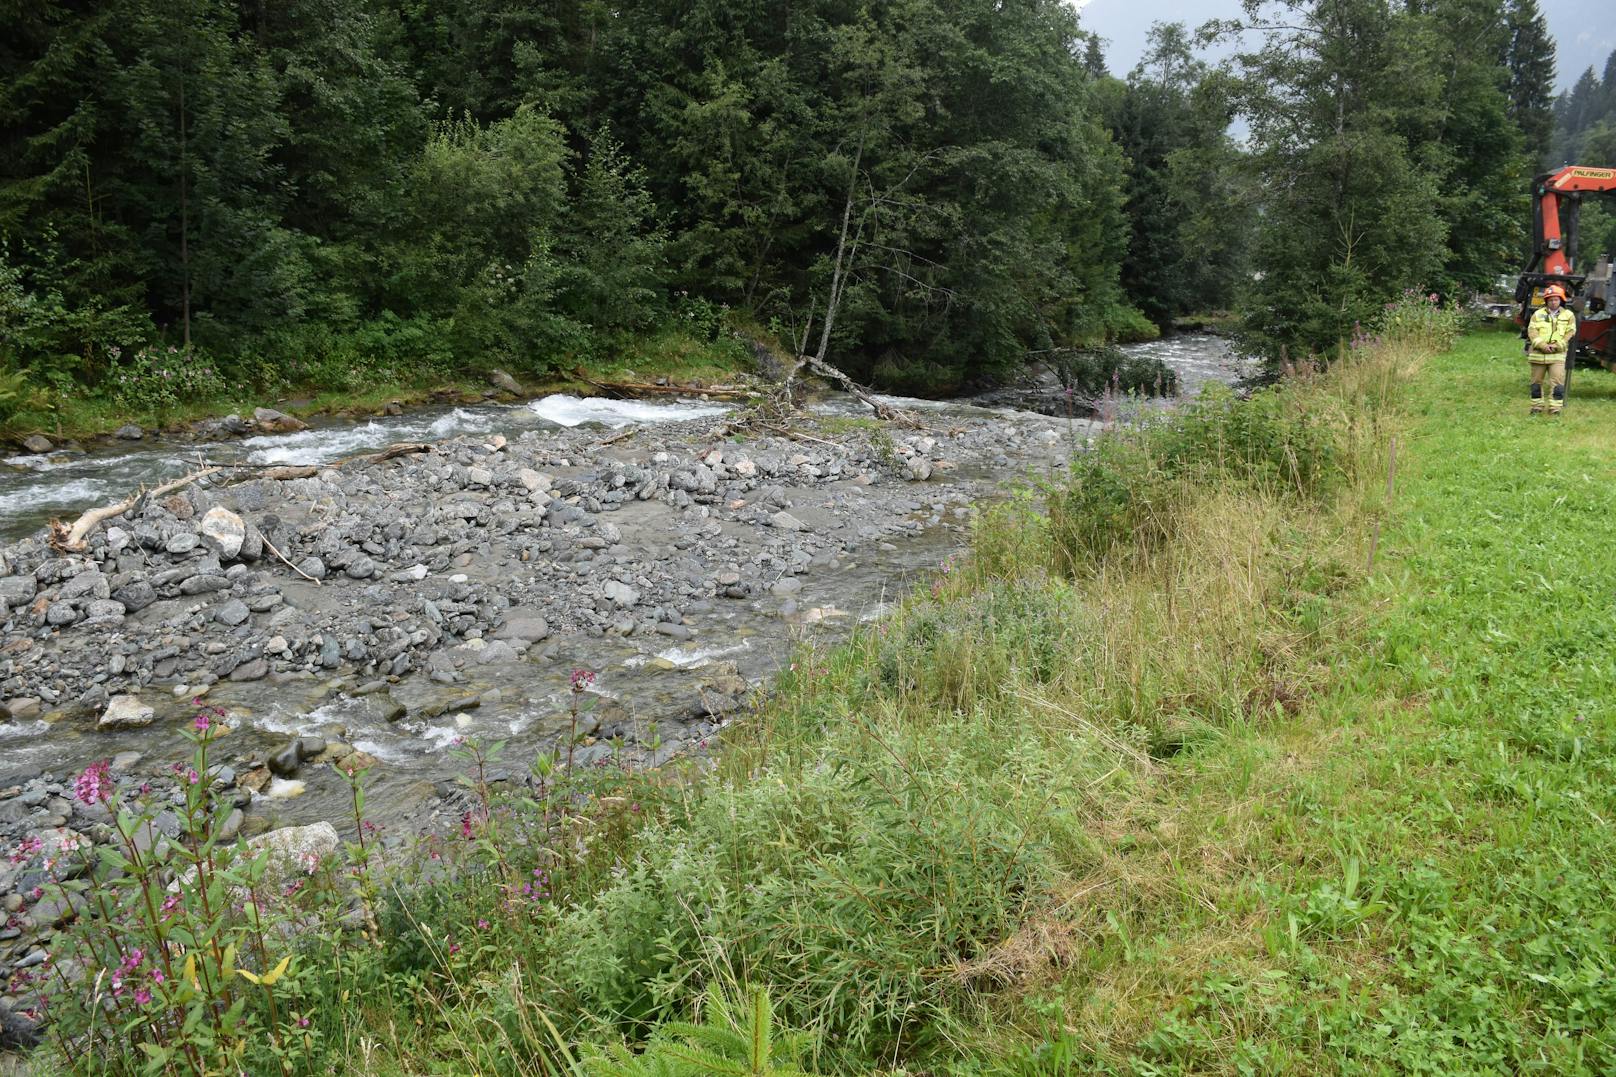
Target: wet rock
(126, 712)
(271, 421)
(504, 382)
(284, 763)
(37, 443)
(223, 531)
(24, 708)
(129, 432)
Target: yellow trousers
(1552, 367)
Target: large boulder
(224, 531)
(125, 712)
(271, 421)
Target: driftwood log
(71, 538)
(639, 388)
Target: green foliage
(732, 1038)
(1125, 492)
(1403, 168)
(153, 380)
(1093, 372)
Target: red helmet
(1554, 291)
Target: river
(651, 678)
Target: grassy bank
(1275, 740)
(168, 392)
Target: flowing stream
(644, 676)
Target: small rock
(786, 522)
(504, 382)
(129, 432)
(255, 670)
(619, 593)
(232, 613)
(37, 443)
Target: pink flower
(191, 775)
(142, 996)
(581, 679)
(202, 722)
(157, 976)
(93, 786)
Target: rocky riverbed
(373, 614)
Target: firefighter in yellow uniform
(1549, 335)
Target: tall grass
(938, 811)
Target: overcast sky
(1584, 31)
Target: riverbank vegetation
(201, 202)
(1243, 746)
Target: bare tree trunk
(842, 256)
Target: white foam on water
(23, 730)
(387, 753)
(460, 421)
(54, 494)
(48, 461)
(564, 409)
(701, 656)
(317, 446)
(442, 736)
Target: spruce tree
(1530, 61)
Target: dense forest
(338, 193)
(1585, 133)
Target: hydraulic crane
(1556, 203)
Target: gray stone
(254, 670)
(223, 531)
(232, 613)
(276, 422)
(621, 594)
(204, 584)
(504, 382)
(182, 542)
(18, 590)
(136, 596)
(361, 568)
(60, 613)
(523, 626)
(129, 432)
(126, 712)
(786, 522)
(91, 584)
(497, 651)
(312, 567)
(104, 611)
(37, 443)
(24, 708)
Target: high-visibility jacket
(1551, 333)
